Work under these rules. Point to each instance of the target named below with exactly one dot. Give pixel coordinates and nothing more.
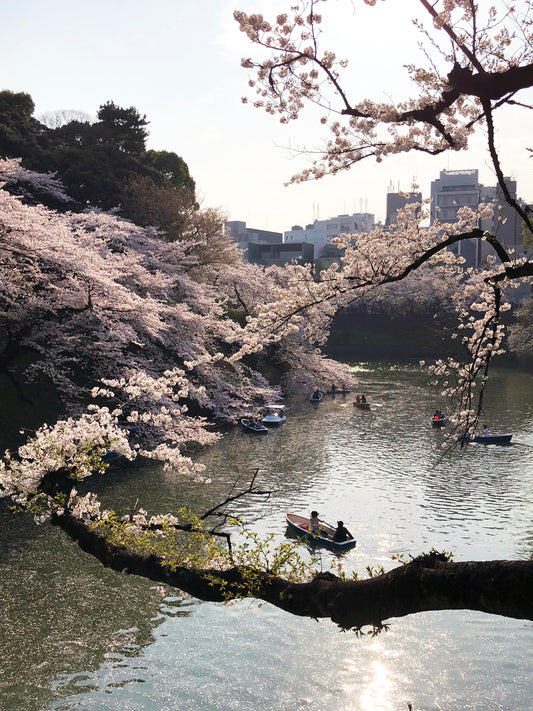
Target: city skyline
(179, 63)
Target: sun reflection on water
(378, 688)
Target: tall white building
(321, 232)
(458, 188)
(455, 189)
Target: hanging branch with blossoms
(480, 60)
(486, 61)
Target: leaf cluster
(96, 161)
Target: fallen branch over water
(499, 587)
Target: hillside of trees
(96, 162)
(129, 281)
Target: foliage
(148, 204)
(176, 540)
(95, 161)
(122, 129)
(19, 133)
(521, 331)
(263, 554)
(173, 167)
(178, 218)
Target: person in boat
(316, 394)
(486, 431)
(341, 533)
(358, 399)
(314, 524)
(363, 398)
(333, 388)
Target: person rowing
(342, 533)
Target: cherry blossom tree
(479, 60)
(521, 332)
(127, 299)
(92, 296)
(98, 303)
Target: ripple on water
(94, 640)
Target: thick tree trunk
(499, 587)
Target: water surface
(75, 636)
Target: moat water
(75, 636)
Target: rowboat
(111, 455)
(322, 537)
(488, 439)
(362, 405)
(316, 398)
(273, 415)
(253, 427)
(438, 421)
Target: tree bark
(499, 587)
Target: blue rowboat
(488, 439)
(323, 537)
(316, 399)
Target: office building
(321, 232)
(397, 200)
(455, 189)
(268, 254)
(244, 235)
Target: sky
(178, 62)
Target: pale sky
(178, 62)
